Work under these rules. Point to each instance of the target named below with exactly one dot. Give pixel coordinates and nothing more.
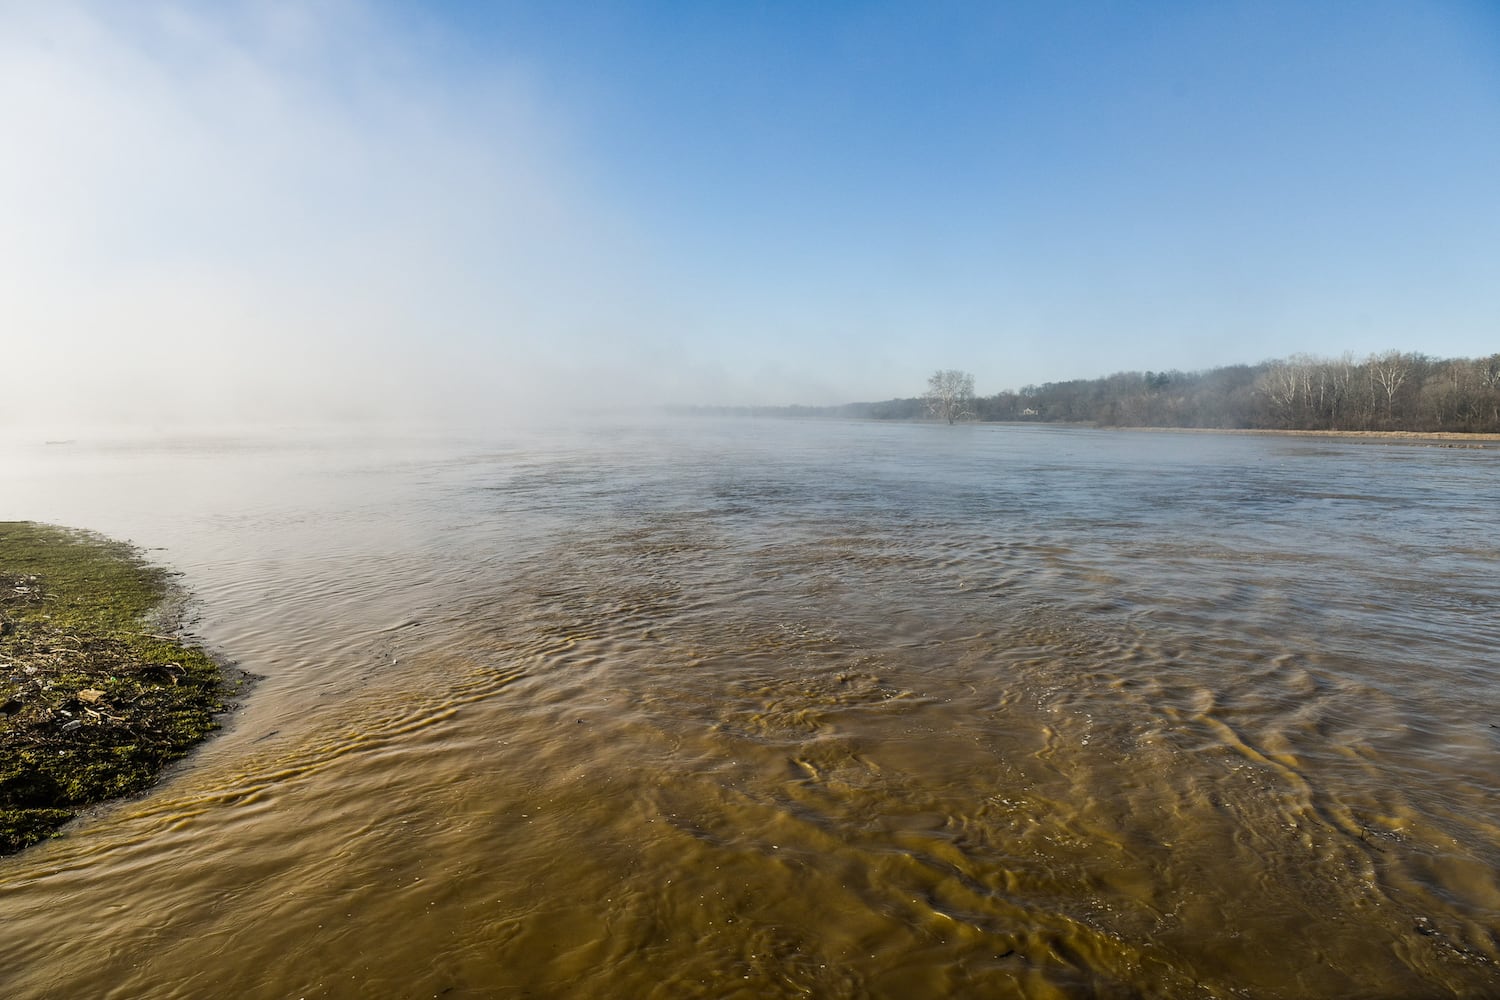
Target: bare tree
(950, 395)
(1389, 371)
(1284, 385)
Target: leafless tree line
(1389, 391)
(1393, 390)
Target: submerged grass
(94, 702)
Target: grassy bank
(94, 700)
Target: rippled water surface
(765, 709)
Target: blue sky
(365, 210)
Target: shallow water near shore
(769, 708)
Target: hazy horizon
(269, 213)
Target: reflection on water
(753, 709)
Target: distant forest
(1384, 392)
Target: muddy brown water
(779, 709)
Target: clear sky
(367, 209)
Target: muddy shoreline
(1435, 439)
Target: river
(745, 708)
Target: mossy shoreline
(96, 695)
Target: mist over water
(757, 708)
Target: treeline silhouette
(1389, 391)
